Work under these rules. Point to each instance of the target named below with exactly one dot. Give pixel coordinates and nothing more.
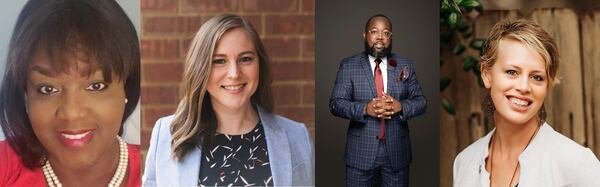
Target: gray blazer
(289, 147)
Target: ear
(486, 77)
(365, 35)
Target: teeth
(234, 87)
(519, 101)
(75, 136)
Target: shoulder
(354, 58)
(8, 157)
(165, 121)
(296, 132)
(8, 161)
(162, 127)
(401, 60)
(134, 164)
(470, 158)
(559, 143)
(6, 150)
(161, 135)
(13, 172)
(290, 126)
(472, 152)
(565, 149)
(564, 158)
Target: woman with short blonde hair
(519, 67)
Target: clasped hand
(384, 106)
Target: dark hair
(373, 17)
(98, 30)
(195, 121)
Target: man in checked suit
(378, 92)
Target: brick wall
(285, 26)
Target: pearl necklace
(116, 180)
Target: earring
(126, 100)
(488, 105)
(542, 114)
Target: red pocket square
(403, 74)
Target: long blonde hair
(195, 122)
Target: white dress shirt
(382, 67)
(551, 159)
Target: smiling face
(75, 116)
(517, 81)
(234, 74)
(378, 36)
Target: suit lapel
(188, 169)
(366, 67)
(278, 150)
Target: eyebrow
(375, 28)
(513, 66)
(532, 71)
(242, 53)
(52, 73)
(44, 71)
(247, 52)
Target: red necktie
(379, 86)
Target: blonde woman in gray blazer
(224, 132)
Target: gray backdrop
(339, 27)
(9, 12)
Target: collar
(279, 148)
(530, 150)
(383, 61)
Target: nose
(379, 35)
(523, 85)
(71, 107)
(233, 71)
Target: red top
(14, 173)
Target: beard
(370, 50)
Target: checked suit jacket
(354, 88)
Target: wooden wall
(573, 105)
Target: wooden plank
(448, 137)
(565, 102)
(463, 82)
(590, 30)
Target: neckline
(491, 151)
(256, 127)
(488, 137)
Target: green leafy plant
(457, 19)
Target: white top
(551, 159)
(383, 67)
